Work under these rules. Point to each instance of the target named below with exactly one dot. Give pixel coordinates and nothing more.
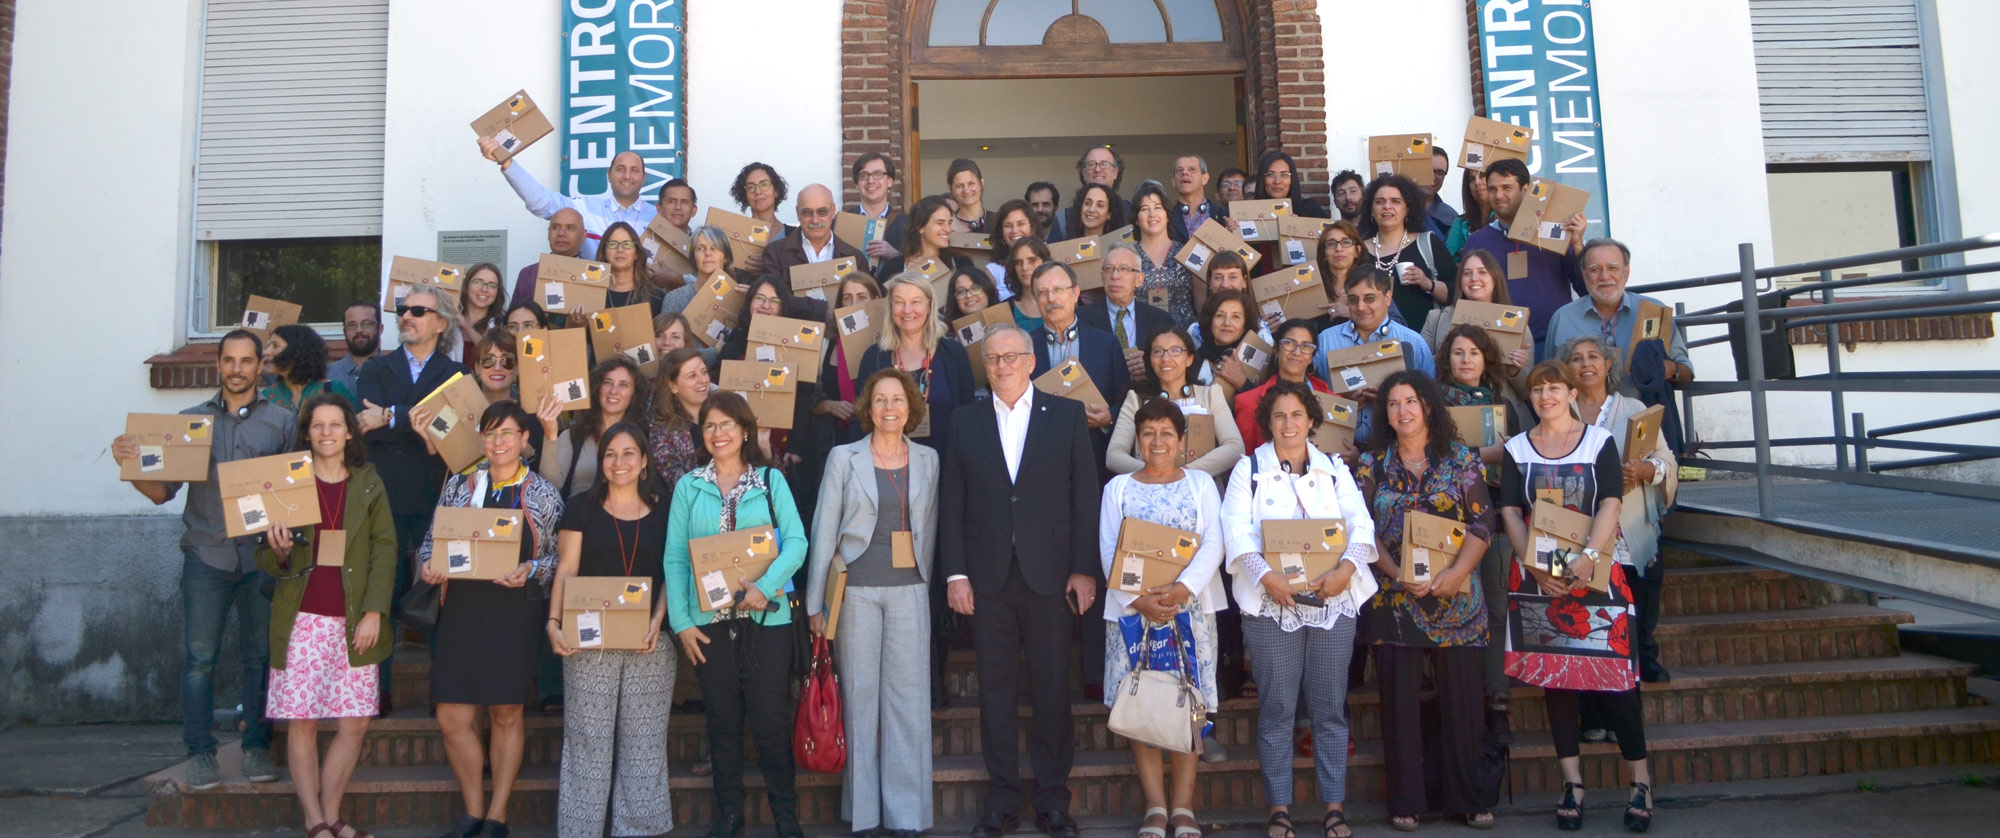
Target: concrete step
(1696, 695)
(1103, 782)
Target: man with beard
(1042, 197)
(219, 572)
(1347, 189)
(1537, 280)
(626, 178)
(362, 325)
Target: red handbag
(819, 735)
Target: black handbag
(418, 606)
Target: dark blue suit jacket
(1105, 362)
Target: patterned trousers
(614, 756)
(1284, 660)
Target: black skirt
(487, 638)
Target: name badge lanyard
(338, 518)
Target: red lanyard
(335, 520)
(902, 498)
(924, 380)
(629, 557)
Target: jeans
(206, 596)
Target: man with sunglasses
(390, 388)
(813, 242)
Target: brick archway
(1284, 84)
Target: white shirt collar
(1027, 400)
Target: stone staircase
(1772, 678)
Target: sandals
(1481, 820)
(343, 826)
(318, 828)
(1192, 829)
(1154, 831)
(1335, 819)
(1403, 824)
(1639, 812)
(1281, 822)
(1573, 820)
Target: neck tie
(1118, 325)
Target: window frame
(1220, 57)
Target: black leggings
(1619, 711)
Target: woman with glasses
(525, 315)
(1291, 360)
(618, 391)
(836, 385)
(1164, 274)
(1339, 252)
(631, 283)
(480, 302)
(971, 293)
(927, 240)
(487, 632)
(758, 190)
(1169, 357)
(742, 649)
(1396, 239)
(770, 296)
(1012, 222)
(916, 343)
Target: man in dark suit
(1065, 338)
(1015, 539)
(1121, 314)
(814, 242)
(390, 387)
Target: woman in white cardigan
(1290, 641)
(1169, 358)
(1650, 484)
(877, 514)
(1171, 625)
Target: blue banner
(1540, 70)
(622, 91)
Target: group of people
(946, 492)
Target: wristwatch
(1591, 553)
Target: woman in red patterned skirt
(1563, 635)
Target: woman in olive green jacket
(330, 612)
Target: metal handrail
(1823, 265)
(1876, 306)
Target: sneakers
(202, 773)
(258, 768)
(1212, 751)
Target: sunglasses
(489, 362)
(414, 311)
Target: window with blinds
(292, 109)
(1841, 81)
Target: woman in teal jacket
(741, 642)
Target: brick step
(1104, 782)
(1696, 695)
(1735, 590)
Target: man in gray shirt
(362, 326)
(217, 571)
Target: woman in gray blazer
(877, 517)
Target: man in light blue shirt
(1609, 312)
(1369, 298)
(627, 177)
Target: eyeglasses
(1121, 269)
(972, 292)
(821, 212)
(758, 186)
(1278, 174)
(765, 301)
(1341, 244)
(1099, 165)
(501, 361)
(722, 427)
(414, 311)
(362, 324)
(501, 435)
(1004, 358)
(1048, 293)
(870, 177)
(1294, 345)
(487, 284)
(620, 245)
(1169, 352)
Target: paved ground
(82, 782)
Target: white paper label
(1552, 230)
(1475, 156)
(854, 321)
(1420, 564)
(552, 297)
(1198, 257)
(259, 320)
(716, 329)
(1352, 377)
(398, 293)
(152, 458)
(458, 556)
(972, 333)
(1132, 573)
(641, 354)
(1293, 566)
(590, 629)
(1274, 308)
(572, 391)
(1384, 167)
(507, 140)
(250, 508)
(1247, 229)
(443, 422)
(1545, 550)
(1295, 251)
(817, 293)
(767, 354)
(716, 587)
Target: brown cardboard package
(1200, 438)
(602, 613)
(1294, 292)
(1653, 321)
(1258, 220)
(474, 543)
(1336, 434)
(971, 243)
(514, 123)
(836, 595)
(1084, 256)
(173, 447)
(1304, 549)
(1298, 239)
(1149, 555)
(859, 327)
(1507, 325)
(1408, 155)
(971, 333)
(714, 310)
(821, 280)
(1642, 433)
(799, 345)
(406, 273)
(938, 271)
(553, 361)
(1480, 425)
(729, 562)
(454, 427)
(1488, 141)
(672, 247)
(262, 315)
(1558, 534)
(1367, 365)
(627, 331)
(1430, 546)
(1209, 239)
(771, 390)
(1252, 359)
(747, 236)
(563, 283)
(1544, 208)
(858, 230)
(1122, 235)
(262, 492)
(1070, 381)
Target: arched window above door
(952, 38)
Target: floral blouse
(1452, 489)
(1176, 281)
(673, 451)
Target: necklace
(1375, 245)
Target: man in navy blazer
(1121, 307)
(1017, 516)
(1064, 338)
(390, 387)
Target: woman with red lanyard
(834, 415)
(488, 632)
(915, 343)
(615, 702)
(328, 611)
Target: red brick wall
(872, 87)
(1300, 64)
(6, 81)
